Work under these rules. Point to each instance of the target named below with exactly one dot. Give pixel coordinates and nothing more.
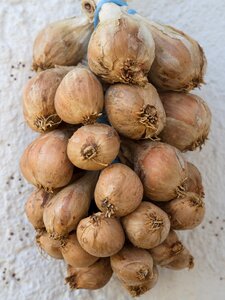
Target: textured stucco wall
(24, 273)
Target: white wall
(42, 278)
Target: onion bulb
(121, 49)
(132, 266)
(147, 226)
(74, 255)
(63, 213)
(185, 213)
(161, 168)
(79, 97)
(183, 260)
(44, 162)
(34, 207)
(143, 106)
(100, 236)
(118, 191)
(188, 120)
(47, 244)
(93, 147)
(62, 43)
(38, 99)
(194, 181)
(92, 278)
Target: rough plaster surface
(24, 273)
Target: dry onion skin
(119, 190)
(63, 213)
(74, 255)
(34, 207)
(188, 120)
(194, 181)
(44, 162)
(100, 236)
(184, 260)
(79, 97)
(62, 43)
(93, 147)
(146, 227)
(161, 168)
(143, 106)
(38, 99)
(91, 278)
(47, 245)
(121, 49)
(138, 290)
(132, 266)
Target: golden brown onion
(194, 181)
(47, 244)
(183, 260)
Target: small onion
(79, 97)
(100, 236)
(143, 106)
(47, 244)
(194, 181)
(146, 227)
(93, 147)
(132, 266)
(38, 99)
(63, 213)
(183, 260)
(92, 278)
(161, 168)
(138, 290)
(119, 190)
(188, 120)
(44, 162)
(34, 207)
(74, 255)
(185, 213)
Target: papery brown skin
(146, 227)
(69, 206)
(183, 260)
(74, 255)
(47, 244)
(143, 106)
(188, 120)
(193, 183)
(62, 43)
(38, 99)
(44, 162)
(185, 213)
(88, 7)
(118, 191)
(79, 97)
(132, 265)
(161, 168)
(121, 49)
(92, 278)
(138, 290)
(100, 236)
(168, 251)
(93, 147)
(34, 207)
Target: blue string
(117, 2)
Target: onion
(183, 260)
(132, 266)
(93, 147)
(161, 168)
(45, 243)
(75, 255)
(185, 213)
(79, 97)
(194, 181)
(121, 49)
(143, 106)
(188, 120)
(93, 277)
(34, 207)
(69, 206)
(146, 227)
(44, 162)
(100, 236)
(138, 290)
(62, 43)
(119, 190)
